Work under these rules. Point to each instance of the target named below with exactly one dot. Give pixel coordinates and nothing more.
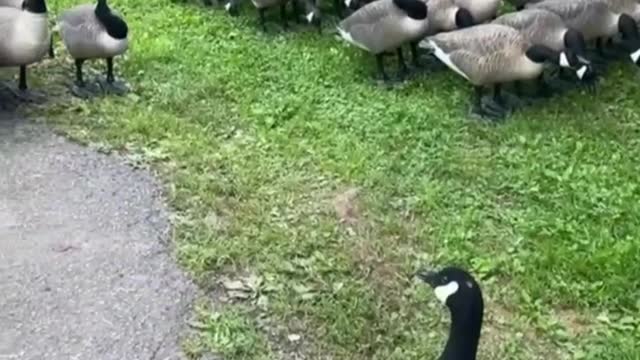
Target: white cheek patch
(635, 56)
(310, 17)
(444, 291)
(227, 6)
(581, 72)
(564, 62)
(347, 3)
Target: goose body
(91, 31)
(382, 25)
(12, 3)
(385, 25)
(86, 37)
(24, 39)
(546, 28)
(485, 54)
(493, 54)
(629, 7)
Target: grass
(263, 141)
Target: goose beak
(427, 276)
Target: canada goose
(385, 25)
(492, 54)
(546, 28)
(456, 289)
(596, 20)
(444, 15)
(24, 40)
(94, 32)
(18, 5)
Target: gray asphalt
(86, 270)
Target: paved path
(84, 268)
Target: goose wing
(477, 53)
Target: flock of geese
(465, 35)
(88, 31)
(488, 50)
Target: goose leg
(295, 10)
(603, 50)
(402, 66)
(261, 19)
(496, 107)
(23, 93)
(380, 63)
(51, 52)
(80, 88)
(112, 86)
(482, 110)
(283, 15)
(414, 54)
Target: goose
(24, 39)
(596, 20)
(18, 5)
(456, 289)
(444, 15)
(546, 28)
(492, 54)
(94, 32)
(385, 25)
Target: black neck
(628, 27)
(415, 9)
(464, 334)
(540, 54)
(574, 41)
(35, 6)
(115, 26)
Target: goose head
(461, 294)
(575, 43)
(464, 18)
(566, 59)
(630, 37)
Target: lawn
(305, 194)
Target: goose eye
(445, 280)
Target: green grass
(256, 134)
